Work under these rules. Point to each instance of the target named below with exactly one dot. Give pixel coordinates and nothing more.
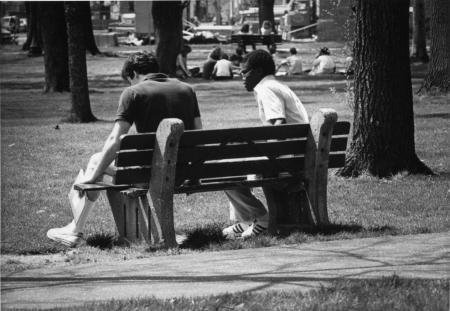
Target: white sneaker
(65, 235)
(257, 227)
(235, 231)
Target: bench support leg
(117, 203)
(162, 180)
(322, 129)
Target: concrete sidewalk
(290, 267)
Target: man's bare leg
(81, 205)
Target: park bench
(242, 39)
(152, 167)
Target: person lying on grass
(150, 98)
(277, 104)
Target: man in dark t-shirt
(151, 98)
(157, 97)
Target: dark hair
(225, 56)
(141, 63)
(216, 54)
(245, 28)
(293, 51)
(260, 59)
(239, 51)
(324, 51)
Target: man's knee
(95, 159)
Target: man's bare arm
(110, 148)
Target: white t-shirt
(277, 101)
(324, 64)
(294, 63)
(223, 68)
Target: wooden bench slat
(239, 168)
(232, 184)
(216, 152)
(202, 137)
(338, 144)
(134, 158)
(99, 186)
(138, 141)
(270, 149)
(133, 175)
(256, 38)
(336, 160)
(136, 175)
(341, 128)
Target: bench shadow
(102, 240)
(202, 237)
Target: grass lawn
(39, 162)
(391, 293)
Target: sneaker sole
(65, 242)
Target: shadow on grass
(433, 116)
(333, 229)
(204, 237)
(101, 240)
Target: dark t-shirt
(155, 98)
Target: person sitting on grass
(277, 104)
(223, 69)
(150, 98)
(323, 63)
(208, 66)
(293, 64)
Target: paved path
(297, 267)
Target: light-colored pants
(244, 206)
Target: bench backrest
(227, 153)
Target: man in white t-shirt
(223, 69)
(277, 104)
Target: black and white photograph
(225, 155)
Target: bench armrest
(99, 186)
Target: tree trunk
(383, 126)
(33, 44)
(218, 9)
(76, 29)
(85, 11)
(54, 39)
(265, 12)
(167, 16)
(200, 10)
(438, 75)
(420, 44)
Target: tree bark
(167, 16)
(33, 44)
(420, 44)
(438, 75)
(54, 39)
(76, 30)
(218, 9)
(383, 126)
(85, 11)
(265, 12)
